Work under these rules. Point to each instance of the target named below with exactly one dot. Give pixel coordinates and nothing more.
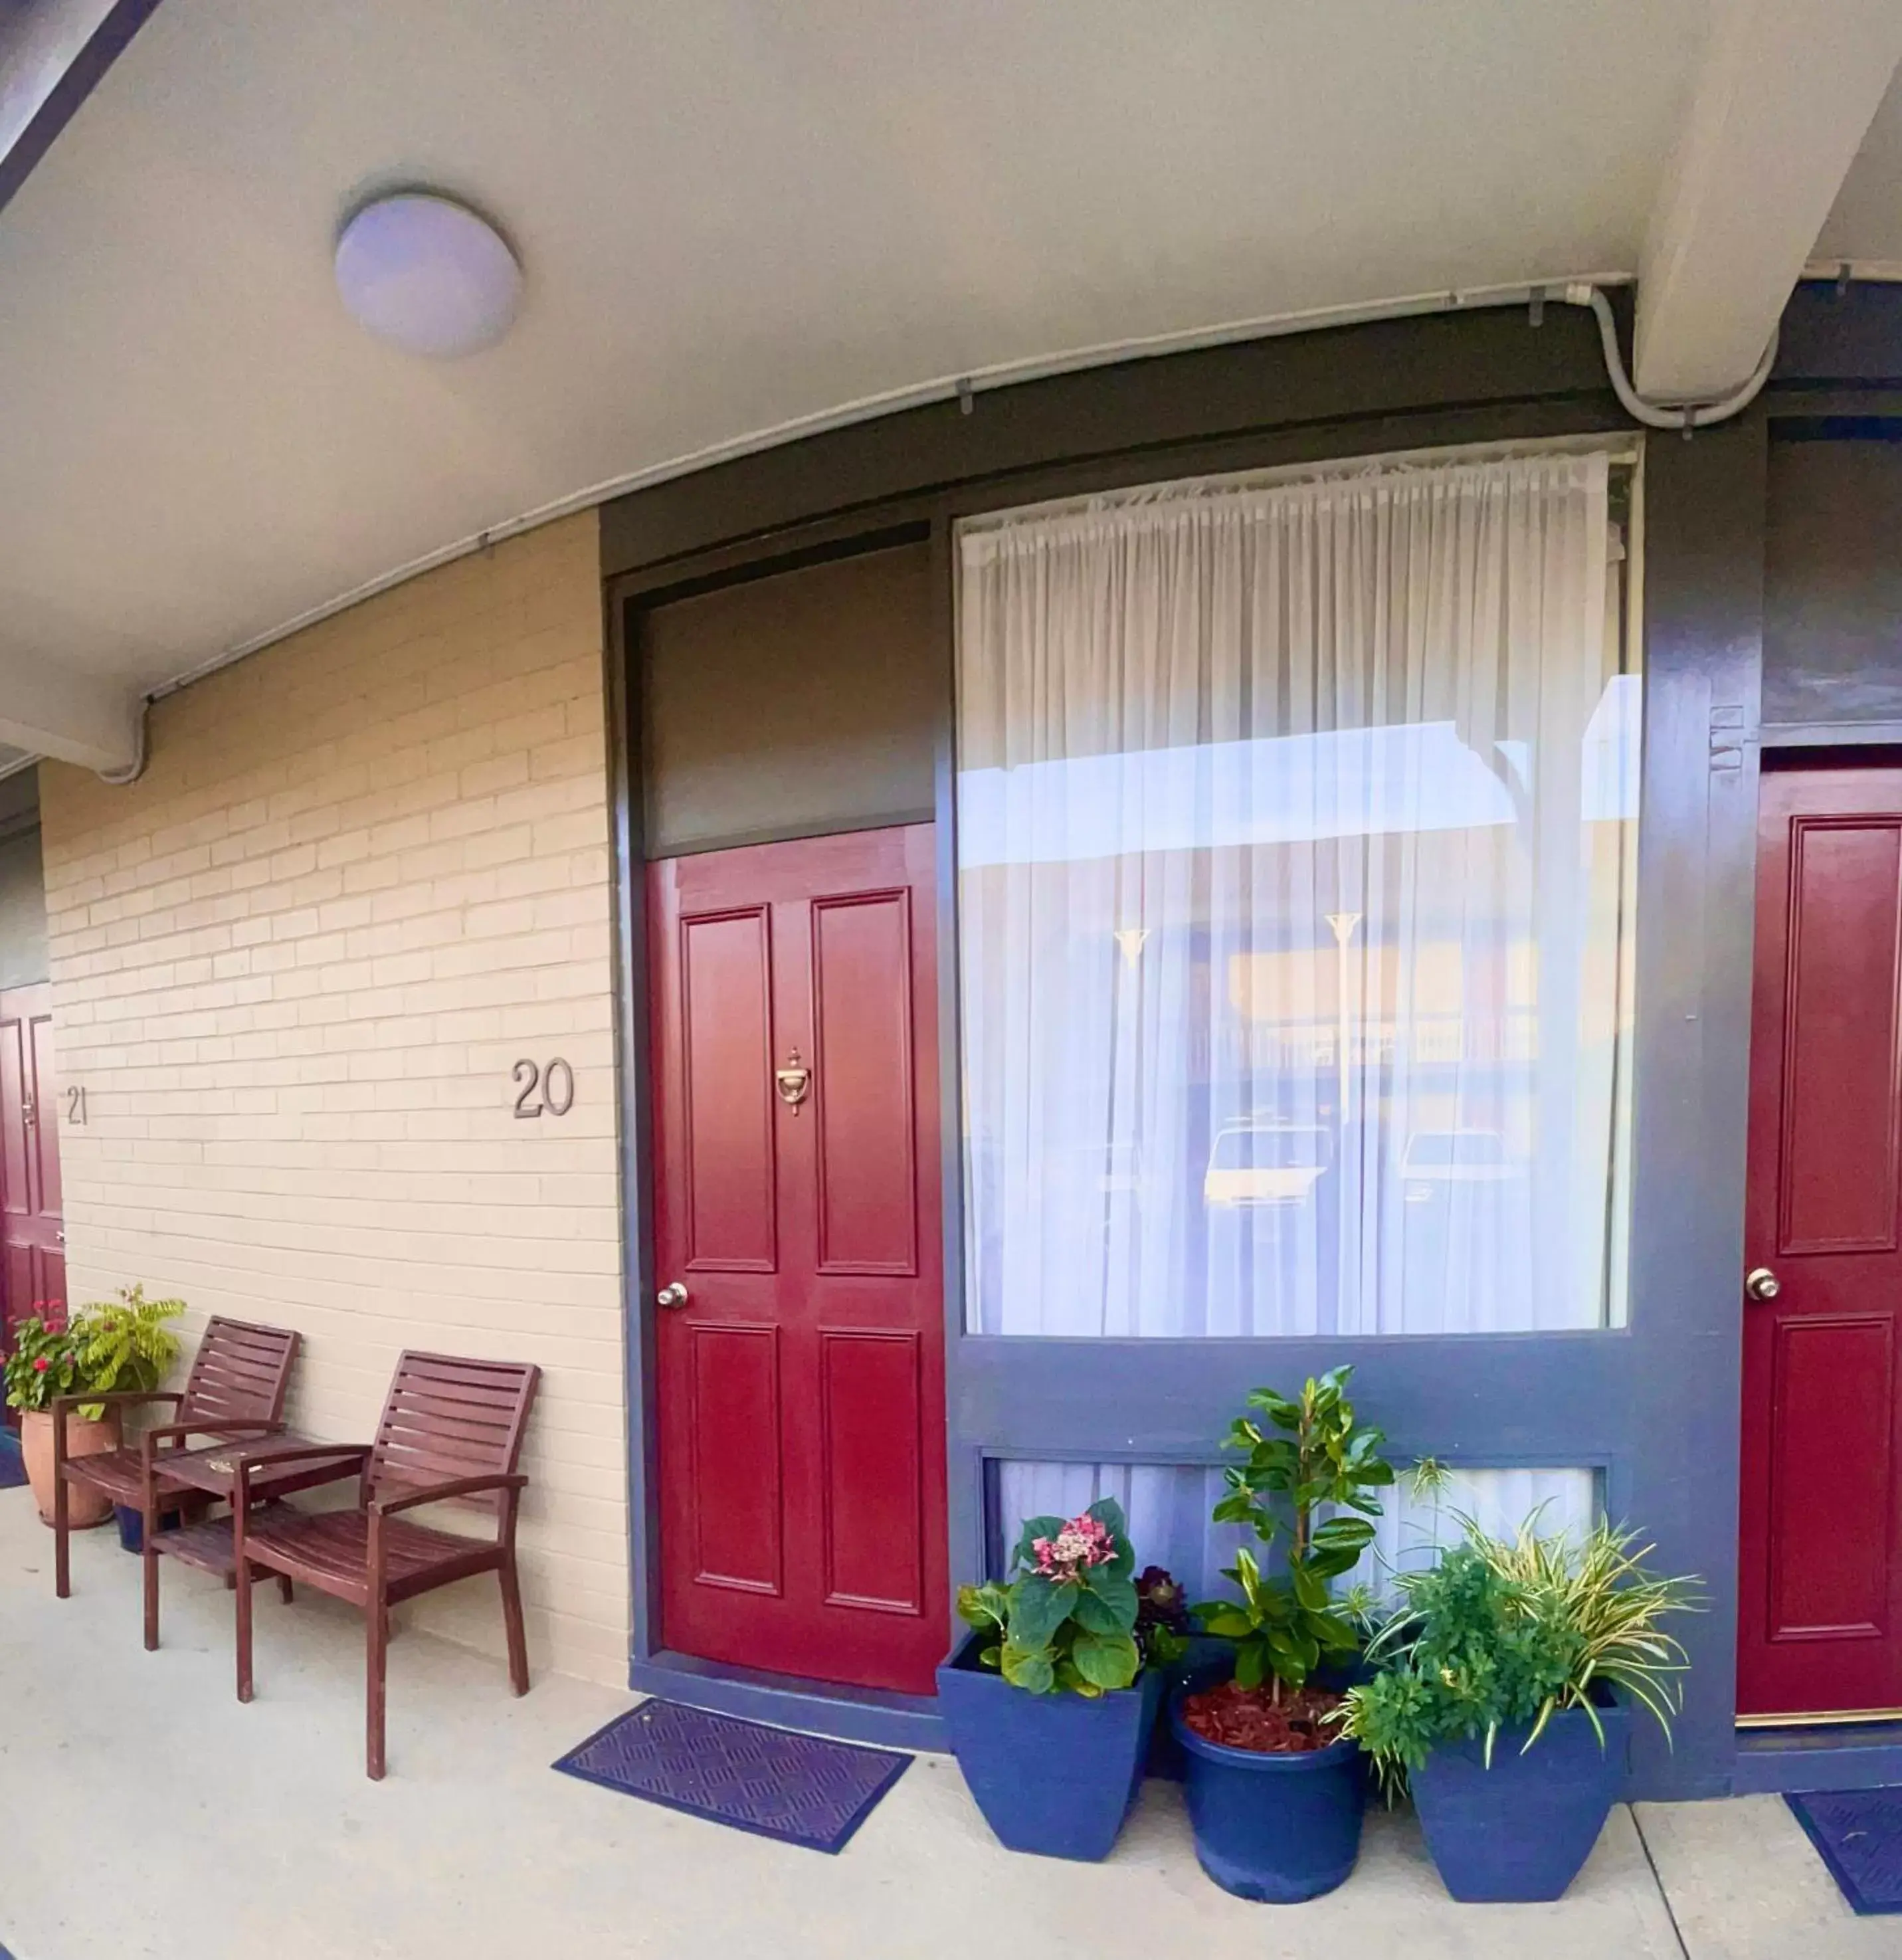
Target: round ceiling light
(427, 275)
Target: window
(1168, 1508)
(1296, 861)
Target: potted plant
(1274, 1794)
(111, 1346)
(1050, 1701)
(1502, 1693)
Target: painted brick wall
(365, 872)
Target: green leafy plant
(1065, 1619)
(1309, 1456)
(126, 1343)
(105, 1348)
(1504, 1634)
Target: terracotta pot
(84, 1507)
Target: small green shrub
(1504, 1634)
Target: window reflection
(1316, 1031)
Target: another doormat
(12, 1473)
(803, 1789)
(1858, 1832)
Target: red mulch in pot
(1249, 1718)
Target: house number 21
(556, 1081)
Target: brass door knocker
(794, 1079)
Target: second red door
(800, 1321)
(32, 1237)
(1819, 1611)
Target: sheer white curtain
(1295, 847)
(1168, 1508)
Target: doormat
(802, 1789)
(1858, 1833)
(12, 1473)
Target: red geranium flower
(39, 1366)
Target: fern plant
(124, 1344)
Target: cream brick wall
(365, 873)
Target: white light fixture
(427, 275)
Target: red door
(1820, 1629)
(800, 1330)
(32, 1241)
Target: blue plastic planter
(1521, 1830)
(1053, 1774)
(1278, 1829)
(132, 1525)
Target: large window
(1296, 857)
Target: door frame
(1809, 758)
(867, 1715)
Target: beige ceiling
(733, 214)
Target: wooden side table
(212, 1471)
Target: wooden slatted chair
(451, 1428)
(239, 1377)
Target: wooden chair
(451, 1428)
(239, 1377)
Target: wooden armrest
(119, 1398)
(64, 1405)
(181, 1429)
(458, 1487)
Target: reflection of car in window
(1267, 1163)
(1437, 1160)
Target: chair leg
(377, 1642)
(151, 1585)
(242, 1579)
(512, 1625)
(62, 1558)
(284, 1588)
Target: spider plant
(1504, 1634)
(1601, 1587)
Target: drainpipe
(133, 770)
(1685, 415)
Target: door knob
(1761, 1284)
(673, 1296)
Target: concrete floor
(147, 1814)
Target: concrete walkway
(147, 1814)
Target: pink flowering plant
(45, 1360)
(1064, 1620)
(108, 1347)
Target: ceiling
(732, 215)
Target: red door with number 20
(799, 1320)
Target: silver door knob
(1761, 1284)
(671, 1295)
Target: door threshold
(1826, 1719)
(875, 1715)
(1830, 1754)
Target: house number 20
(556, 1080)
